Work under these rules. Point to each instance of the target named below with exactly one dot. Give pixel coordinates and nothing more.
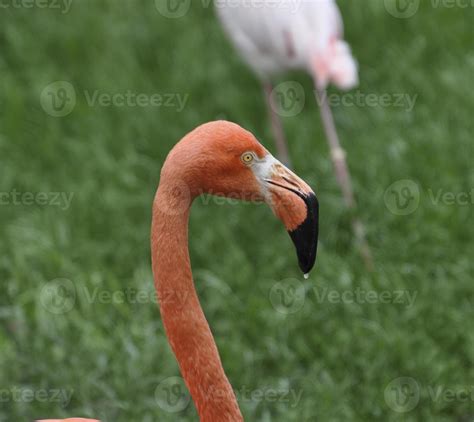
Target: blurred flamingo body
(305, 35)
(274, 37)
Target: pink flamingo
(274, 37)
(218, 158)
(223, 159)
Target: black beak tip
(305, 264)
(305, 236)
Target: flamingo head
(335, 64)
(221, 158)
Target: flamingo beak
(296, 205)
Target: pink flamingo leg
(277, 126)
(338, 156)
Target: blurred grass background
(340, 356)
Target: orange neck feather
(184, 321)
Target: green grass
(341, 356)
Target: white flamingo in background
(281, 35)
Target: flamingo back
(281, 35)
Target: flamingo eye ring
(247, 157)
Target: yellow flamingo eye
(247, 158)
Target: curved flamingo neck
(186, 326)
